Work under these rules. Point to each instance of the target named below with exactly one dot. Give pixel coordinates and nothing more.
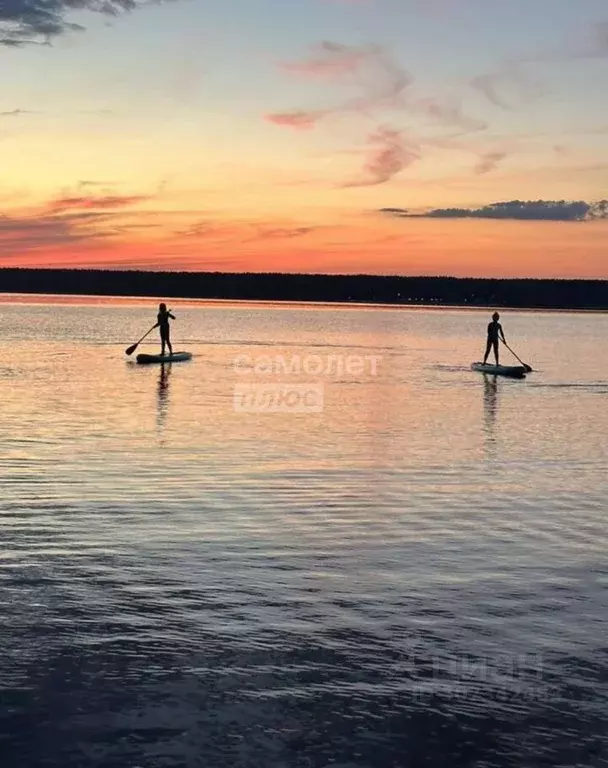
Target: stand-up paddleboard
(176, 357)
(514, 371)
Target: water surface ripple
(415, 576)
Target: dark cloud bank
(537, 210)
(24, 22)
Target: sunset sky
(272, 135)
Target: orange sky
(136, 237)
(197, 146)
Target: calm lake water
(415, 574)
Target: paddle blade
(131, 349)
(528, 367)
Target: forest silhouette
(369, 289)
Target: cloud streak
(16, 112)
(333, 60)
(242, 232)
(532, 210)
(74, 220)
(301, 120)
(24, 233)
(92, 202)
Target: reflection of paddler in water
(163, 394)
(490, 402)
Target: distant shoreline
(67, 299)
(344, 290)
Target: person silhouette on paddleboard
(495, 333)
(162, 323)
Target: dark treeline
(555, 294)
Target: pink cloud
(391, 152)
(302, 120)
(330, 60)
(380, 80)
(380, 84)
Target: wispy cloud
(270, 232)
(382, 85)
(70, 219)
(335, 60)
(16, 112)
(94, 202)
(508, 88)
(391, 152)
(242, 231)
(92, 184)
(562, 150)
(489, 161)
(514, 85)
(533, 210)
(27, 232)
(71, 226)
(590, 42)
(300, 119)
(380, 80)
(447, 113)
(27, 22)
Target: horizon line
(325, 275)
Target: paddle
(525, 365)
(133, 347)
